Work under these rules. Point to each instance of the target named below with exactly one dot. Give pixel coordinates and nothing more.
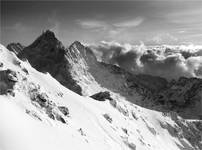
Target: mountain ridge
(88, 76)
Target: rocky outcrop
(64, 110)
(183, 96)
(15, 47)
(43, 101)
(102, 96)
(8, 79)
(181, 92)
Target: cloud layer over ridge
(166, 61)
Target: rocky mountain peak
(76, 43)
(80, 47)
(47, 54)
(45, 47)
(78, 51)
(49, 34)
(47, 37)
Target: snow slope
(30, 118)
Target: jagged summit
(44, 52)
(47, 37)
(77, 43)
(47, 54)
(49, 33)
(81, 51)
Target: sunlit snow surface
(91, 124)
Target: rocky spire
(47, 54)
(47, 37)
(82, 51)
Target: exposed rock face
(44, 53)
(47, 54)
(82, 63)
(15, 47)
(102, 96)
(64, 110)
(41, 100)
(7, 81)
(183, 95)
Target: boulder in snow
(11, 75)
(5, 82)
(43, 97)
(102, 96)
(60, 118)
(64, 110)
(108, 118)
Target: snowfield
(38, 113)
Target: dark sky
(152, 22)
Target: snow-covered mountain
(46, 104)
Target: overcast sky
(152, 22)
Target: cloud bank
(166, 61)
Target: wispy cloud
(111, 29)
(129, 23)
(92, 24)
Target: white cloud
(154, 60)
